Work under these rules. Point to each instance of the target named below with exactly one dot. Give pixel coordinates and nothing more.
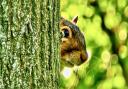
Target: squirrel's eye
(66, 33)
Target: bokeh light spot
(122, 35)
(66, 72)
(123, 51)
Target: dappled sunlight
(105, 27)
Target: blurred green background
(105, 26)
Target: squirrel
(73, 46)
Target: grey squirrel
(73, 46)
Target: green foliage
(105, 26)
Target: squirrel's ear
(75, 19)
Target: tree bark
(29, 44)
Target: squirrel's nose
(83, 57)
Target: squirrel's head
(72, 42)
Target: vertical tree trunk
(29, 44)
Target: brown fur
(73, 48)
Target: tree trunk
(29, 44)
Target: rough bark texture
(29, 44)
